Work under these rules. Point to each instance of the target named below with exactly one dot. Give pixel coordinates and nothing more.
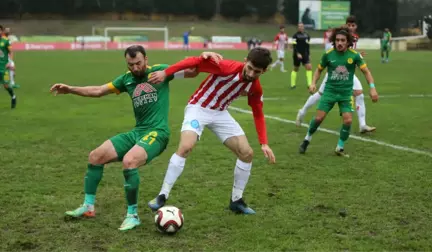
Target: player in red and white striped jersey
(351, 22)
(280, 42)
(327, 34)
(207, 107)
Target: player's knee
(133, 161)
(96, 157)
(347, 120)
(245, 153)
(184, 149)
(319, 118)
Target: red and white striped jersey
(356, 38)
(224, 84)
(281, 39)
(327, 35)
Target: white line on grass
(393, 146)
(381, 96)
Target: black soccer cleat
(303, 147)
(157, 202)
(240, 207)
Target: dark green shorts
(328, 100)
(154, 142)
(385, 47)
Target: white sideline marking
(381, 96)
(396, 147)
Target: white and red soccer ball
(169, 219)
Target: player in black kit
(301, 55)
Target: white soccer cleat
(299, 118)
(283, 70)
(367, 129)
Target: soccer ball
(169, 219)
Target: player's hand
(268, 153)
(363, 54)
(157, 77)
(299, 56)
(216, 57)
(312, 88)
(373, 94)
(60, 88)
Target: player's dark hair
(132, 51)
(1, 28)
(260, 57)
(351, 20)
(344, 31)
(281, 27)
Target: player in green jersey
(5, 50)
(134, 148)
(386, 45)
(341, 62)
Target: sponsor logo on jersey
(350, 61)
(144, 93)
(341, 73)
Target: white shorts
(328, 46)
(356, 86)
(11, 63)
(281, 54)
(220, 122)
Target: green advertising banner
(320, 15)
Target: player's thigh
(153, 142)
(346, 104)
(225, 126)
(122, 143)
(296, 61)
(3, 79)
(195, 119)
(280, 54)
(357, 86)
(103, 154)
(327, 102)
(240, 146)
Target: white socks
(175, 169)
(278, 62)
(361, 110)
(311, 101)
(241, 176)
(12, 77)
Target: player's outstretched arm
(87, 91)
(315, 79)
(372, 90)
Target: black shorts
(305, 60)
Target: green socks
(309, 77)
(132, 181)
(293, 78)
(313, 126)
(344, 135)
(91, 182)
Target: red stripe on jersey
(214, 92)
(205, 85)
(228, 95)
(232, 98)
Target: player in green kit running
(341, 63)
(386, 45)
(5, 50)
(147, 140)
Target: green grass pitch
(378, 199)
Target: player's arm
(255, 101)
(317, 75)
(188, 73)
(294, 43)
(308, 44)
(116, 86)
(86, 91)
(275, 42)
(368, 75)
(10, 52)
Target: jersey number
(150, 137)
